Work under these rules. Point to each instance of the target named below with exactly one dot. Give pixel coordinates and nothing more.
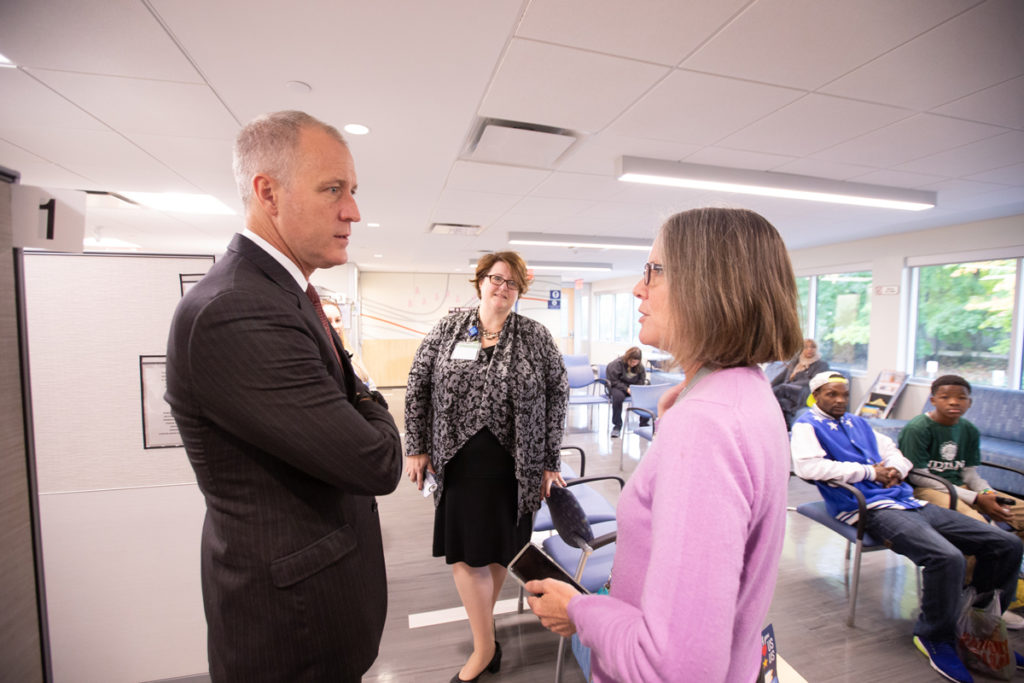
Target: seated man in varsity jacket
(829, 443)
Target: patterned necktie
(314, 299)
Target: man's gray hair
(267, 144)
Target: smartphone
(532, 563)
(1003, 500)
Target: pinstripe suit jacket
(289, 461)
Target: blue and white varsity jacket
(848, 449)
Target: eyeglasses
(498, 281)
(649, 268)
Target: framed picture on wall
(159, 429)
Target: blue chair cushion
(599, 566)
(819, 513)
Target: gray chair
(586, 390)
(856, 537)
(645, 404)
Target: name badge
(466, 351)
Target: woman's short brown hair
(731, 289)
(510, 258)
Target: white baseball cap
(823, 378)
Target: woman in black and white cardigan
(484, 411)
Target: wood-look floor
(808, 611)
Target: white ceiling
(146, 95)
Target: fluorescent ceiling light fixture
(769, 184)
(582, 241)
(570, 266)
(356, 129)
(6, 63)
(109, 244)
(180, 202)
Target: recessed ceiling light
(373, 225)
(180, 202)
(378, 256)
(356, 129)
(6, 63)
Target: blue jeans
(936, 539)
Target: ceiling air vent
(455, 229)
(518, 144)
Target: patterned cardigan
(521, 395)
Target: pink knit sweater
(701, 524)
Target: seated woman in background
(623, 371)
(702, 518)
(791, 386)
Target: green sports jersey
(943, 450)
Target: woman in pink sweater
(702, 518)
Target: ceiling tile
(1002, 104)
(579, 186)
(813, 123)
(566, 88)
(469, 175)
(662, 31)
(1007, 175)
(107, 159)
(972, 158)
(694, 108)
(909, 139)
(807, 43)
(204, 163)
(979, 48)
(40, 172)
(27, 102)
(135, 105)
(549, 207)
(115, 37)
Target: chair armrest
(587, 480)
(641, 411)
(949, 486)
(583, 456)
(996, 465)
(603, 540)
(862, 506)
(607, 386)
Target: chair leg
(558, 662)
(856, 584)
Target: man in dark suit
(288, 446)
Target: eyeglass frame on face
(649, 268)
(498, 281)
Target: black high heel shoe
(493, 667)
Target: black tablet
(532, 563)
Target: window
(835, 311)
(606, 317)
(963, 321)
(624, 317)
(842, 314)
(803, 293)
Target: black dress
(476, 519)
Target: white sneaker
(1014, 621)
